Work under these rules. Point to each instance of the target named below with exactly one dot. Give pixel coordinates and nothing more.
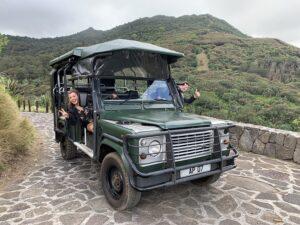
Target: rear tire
(68, 149)
(206, 180)
(115, 183)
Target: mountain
(254, 80)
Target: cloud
(36, 18)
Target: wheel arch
(107, 146)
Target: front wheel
(115, 183)
(207, 180)
(68, 149)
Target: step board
(85, 149)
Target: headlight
(152, 150)
(224, 139)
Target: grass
(16, 133)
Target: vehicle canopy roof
(116, 45)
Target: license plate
(195, 170)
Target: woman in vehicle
(77, 113)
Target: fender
(118, 148)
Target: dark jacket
(75, 117)
(189, 100)
(186, 100)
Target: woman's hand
(64, 113)
(79, 108)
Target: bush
(208, 101)
(280, 113)
(271, 91)
(16, 133)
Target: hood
(162, 119)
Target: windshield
(130, 92)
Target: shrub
(16, 133)
(271, 91)
(208, 101)
(279, 113)
(296, 124)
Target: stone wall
(271, 142)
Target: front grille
(193, 144)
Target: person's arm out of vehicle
(189, 100)
(192, 98)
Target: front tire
(68, 149)
(115, 183)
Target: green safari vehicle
(141, 137)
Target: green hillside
(254, 80)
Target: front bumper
(170, 176)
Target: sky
(51, 18)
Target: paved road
(260, 191)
